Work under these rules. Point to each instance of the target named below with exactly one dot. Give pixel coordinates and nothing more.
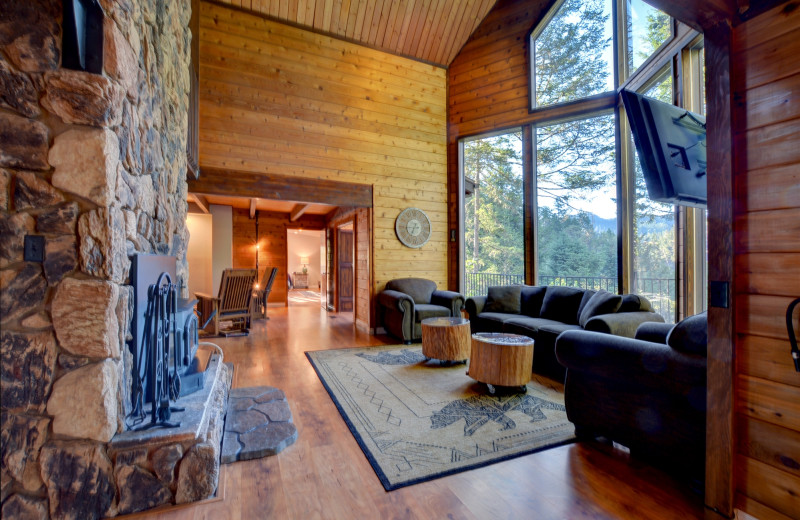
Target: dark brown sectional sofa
(544, 312)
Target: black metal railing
(660, 291)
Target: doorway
(345, 254)
(304, 265)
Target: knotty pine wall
(766, 82)
(277, 99)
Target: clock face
(413, 227)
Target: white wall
(305, 243)
(222, 242)
(199, 254)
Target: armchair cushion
(635, 302)
(424, 311)
(601, 302)
(504, 298)
(690, 335)
(561, 304)
(419, 289)
(531, 300)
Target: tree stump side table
(446, 339)
(500, 359)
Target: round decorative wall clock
(413, 227)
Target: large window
(647, 29)
(576, 203)
(494, 251)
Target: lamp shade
(304, 260)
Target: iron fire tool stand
(152, 360)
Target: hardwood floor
(325, 474)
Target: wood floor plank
(325, 475)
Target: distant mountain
(602, 225)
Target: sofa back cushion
(419, 289)
(503, 298)
(690, 335)
(601, 302)
(531, 300)
(635, 303)
(561, 304)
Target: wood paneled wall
(280, 100)
(766, 79)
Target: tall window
(576, 203)
(494, 249)
(647, 29)
(572, 53)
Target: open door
(344, 265)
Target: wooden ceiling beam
(298, 211)
(201, 202)
(218, 181)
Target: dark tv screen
(671, 143)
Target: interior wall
(280, 100)
(222, 242)
(199, 254)
(766, 82)
(305, 243)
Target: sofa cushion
(601, 302)
(419, 289)
(531, 298)
(530, 326)
(503, 298)
(426, 310)
(690, 335)
(634, 303)
(491, 321)
(561, 304)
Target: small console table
(300, 280)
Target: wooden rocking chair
(261, 294)
(232, 303)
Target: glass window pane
(577, 207)
(647, 28)
(573, 53)
(654, 255)
(494, 246)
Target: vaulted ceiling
(429, 30)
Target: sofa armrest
(396, 300)
(621, 323)
(653, 331)
(630, 362)
(474, 306)
(450, 299)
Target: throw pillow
(635, 303)
(690, 335)
(531, 300)
(587, 295)
(503, 298)
(602, 302)
(561, 304)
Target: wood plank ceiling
(429, 30)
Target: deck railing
(660, 291)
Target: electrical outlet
(34, 248)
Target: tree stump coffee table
(500, 359)
(446, 339)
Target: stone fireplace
(93, 165)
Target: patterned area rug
(417, 420)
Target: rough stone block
(22, 507)
(17, 91)
(140, 490)
(85, 318)
(13, 229)
(84, 402)
(36, 50)
(119, 60)
(82, 98)
(28, 363)
(165, 460)
(91, 156)
(5, 183)
(24, 289)
(198, 474)
(22, 437)
(79, 480)
(23, 143)
(62, 219)
(31, 191)
(60, 257)
(102, 244)
(37, 321)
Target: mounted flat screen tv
(671, 143)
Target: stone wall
(95, 164)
